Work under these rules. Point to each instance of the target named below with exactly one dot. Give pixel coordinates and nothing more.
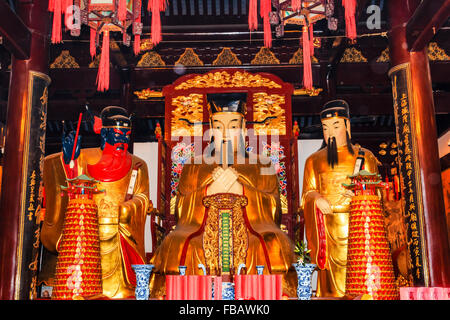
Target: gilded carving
(215, 203)
(297, 58)
(189, 59)
(64, 61)
(435, 53)
(95, 63)
(146, 44)
(313, 92)
(269, 105)
(190, 108)
(148, 93)
(265, 56)
(384, 57)
(353, 55)
(223, 79)
(226, 58)
(151, 59)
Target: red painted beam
(428, 18)
(16, 35)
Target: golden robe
(321, 180)
(121, 224)
(263, 211)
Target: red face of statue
(115, 162)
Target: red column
(34, 14)
(436, 252)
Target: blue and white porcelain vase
(304, 275)
(182, 270)
(227, 291)
(143, 272)
(260, 270)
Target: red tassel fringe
(156, 6)
(350, 24)
(267, 33)
(103, 68)
(137, 44)
(92, 49)
(122, 10)
(296, 5)
(56, 27)
(64, 10)
(265, 8)
(307, 68)
(253, 15)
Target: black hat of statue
(114, 116)
(227, 102)
(335, 108)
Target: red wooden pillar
(28, 81)
(418, 152)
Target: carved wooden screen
(268, 97)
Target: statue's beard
(114, 155)
(332, 154)
(230, 152)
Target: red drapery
(247, 287)
(424, 293)
(130, 257)
(192, 287)
(258, 287)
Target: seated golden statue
(227, 181)
(325, 201)
(122, 209)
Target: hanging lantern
(102, 17)
(304, 13)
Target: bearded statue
(228, 197)
(122, 208)
(325, 202)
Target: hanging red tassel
(103, 68)
(265, 8)
(156, 23)
(56, 27)
(92, 49)
(350, 24)
(67, 11)
(253, 15)
(137, 44)
(122, 10)
(156, 6)
(137, 36)
(296, 5)
(311, 38)
(307, 69)
(267, 33)
(51, 5)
